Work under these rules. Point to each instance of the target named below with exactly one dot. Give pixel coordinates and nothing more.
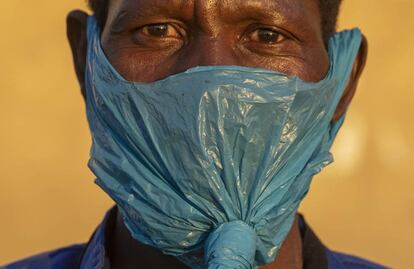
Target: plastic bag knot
(231, 245)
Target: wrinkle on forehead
(291, 8)
(151, 7)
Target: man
(148, 41)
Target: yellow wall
(363, 204)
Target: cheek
(317, 65)
(145, 67)
(138, 65)
(142, 69)
(311, 68)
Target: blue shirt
(93, 254)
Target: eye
(267, 36)
(161, 30)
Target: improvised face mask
(210, 165)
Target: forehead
(294, 12)
(291, 6)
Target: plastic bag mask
(210, 165)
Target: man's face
(147, 40)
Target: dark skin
(147, 40)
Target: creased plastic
(211, 164)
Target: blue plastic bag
(210, 165)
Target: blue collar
(94, 255)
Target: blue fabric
(338, 260)
(93, 255)
(65, 258)
(212, 145)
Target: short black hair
(329, 10)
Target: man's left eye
(161, 30)
(268, 36)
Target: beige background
(363, 204)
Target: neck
(290, 255)
(127, 253)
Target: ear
(76, 23)
(350, 90)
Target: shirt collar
(94, 255)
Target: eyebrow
(143, 10)
(284, 15)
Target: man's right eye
(161, 30)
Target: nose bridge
(210, 44)
(207, 50)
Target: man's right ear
(76, 23)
